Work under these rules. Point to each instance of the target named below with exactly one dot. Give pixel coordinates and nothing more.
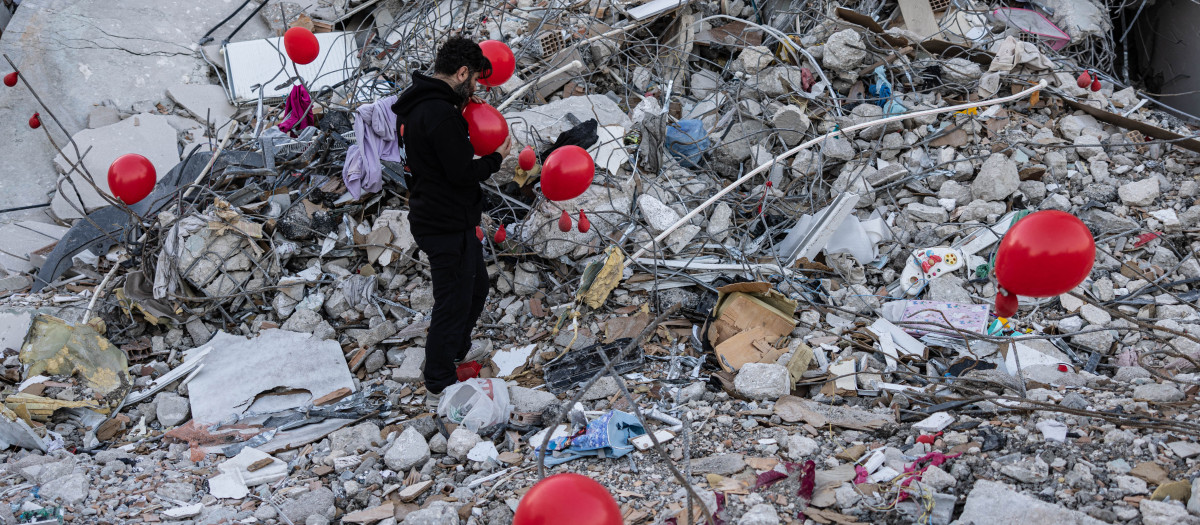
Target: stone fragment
(938, 479)
(1184, 449)
(760, 514)
(1139, 192)
(317, 502)
(720, 221)
(791, 123)
(753, 59)
(844, 52)
(412, 368)
(604, 387)
(435, 515)
(530, 400)
(993, 503)
(763, 381)
(409, 450)
(69, 490)
(997, 179)
(171, 409)
(722, 464)
(460, 443)
(1165, 513)
(1157, 392)
(802, 447)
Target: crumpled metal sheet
(54, 347)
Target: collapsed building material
(278, 370)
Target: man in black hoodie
(445, 200)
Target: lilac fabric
(375, 132)
(298, 108)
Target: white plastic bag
(476, 403)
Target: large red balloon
(1045, 254)
(503, 62)
(568, 498)
(301, 45)
(567, 173)
(487, 127)
(131, 177)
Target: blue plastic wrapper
(687, 141)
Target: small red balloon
(131, 178)
(527, 159)
(568, 498)
(501, 234)
(301, 45)
(564, 222)
(584, 223)
(486, 126)
(503, 62)
(1046, 253)
(35, 122)
(567, 173)
(1006, 305)
(10, 79)
(1085, 80)
(479, 233)
(1096, 84)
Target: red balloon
(567, 173)
(568, 498)
(527, 158)
(501, 234)
(1084, 80)
(35, 122)
(564, 222)
(1006, 305)
(1096, 84)
(503, 62)
(584, 223)
(301, 45)
(1045, 254)
(479, 233)
(131, 177)
(10, 79)
(486, 126)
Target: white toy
(925, 264)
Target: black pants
(460, 287)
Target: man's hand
(506, 147)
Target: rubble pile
(780, 311)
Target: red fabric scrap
(1145, 238)
(768, 478)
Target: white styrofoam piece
(934, 423)
(643, 442)
(906, 344)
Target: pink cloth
(298, 108)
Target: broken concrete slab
(276, 370)
(548, 121)
(77, 54)
(150, 136)
(994, 503)
(204, 101)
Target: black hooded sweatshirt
(445, 196)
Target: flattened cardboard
(749, 319)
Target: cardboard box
(749, 318)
